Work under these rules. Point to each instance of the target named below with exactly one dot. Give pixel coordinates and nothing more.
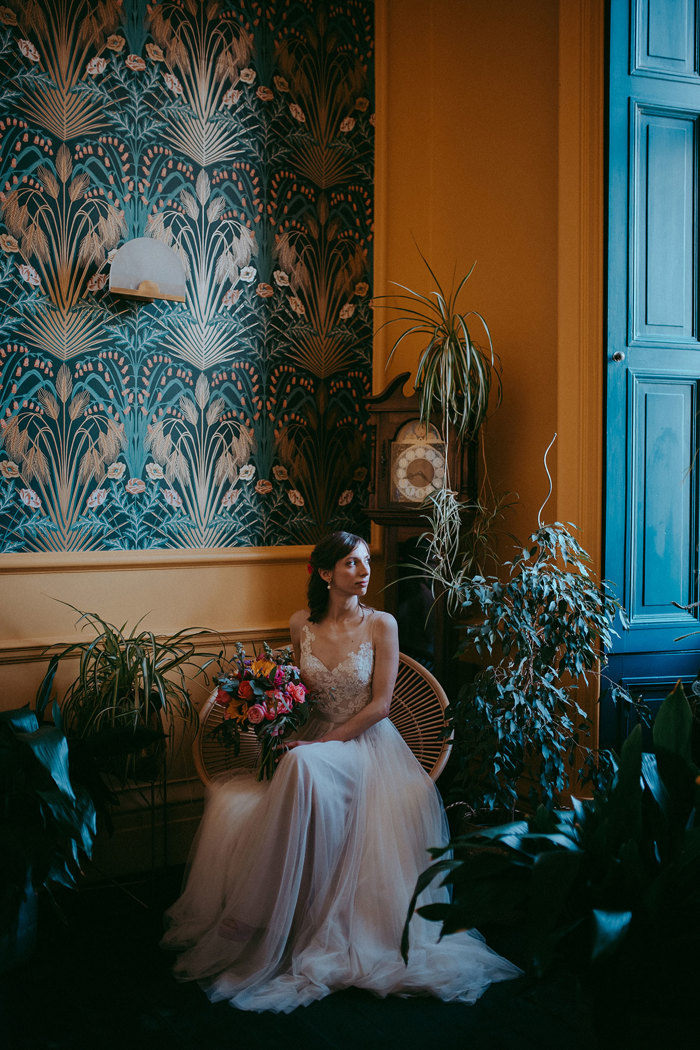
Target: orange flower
(262, 668)
(237, 710)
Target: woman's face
(351, 573)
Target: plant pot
(18, 943)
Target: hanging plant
(455, 373)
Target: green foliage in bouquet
(611, 887)
(263, 694)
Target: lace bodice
(343, 690)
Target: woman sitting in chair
(300, 886)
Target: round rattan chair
(417, 710)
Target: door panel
(663, 270)
(653, 373)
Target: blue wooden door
(653, 345)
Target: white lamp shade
(147, 269)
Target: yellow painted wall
(488, 148)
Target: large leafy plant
(538, 631)
(611, 887)
(47, 823)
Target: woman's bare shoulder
(383, 624)
(298, 619)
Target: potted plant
(129, 694)
(47, 824)
(610, 888)
(455, 373)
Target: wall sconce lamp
(147, 269)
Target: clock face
(417, 469)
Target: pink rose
(222, 697)
(136, 63)
(256, 714)
(135, 486)
(264, 290)
(270, 713)
(263, 487)
(245, 690)
(297, 692)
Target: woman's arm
(386, 666)
(295, 624)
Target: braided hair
(325, 555)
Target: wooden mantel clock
(409, 462)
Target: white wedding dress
(300, 886)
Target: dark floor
(100, 982)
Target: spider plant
(454, 373)
(131, 686)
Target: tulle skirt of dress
(300, 886)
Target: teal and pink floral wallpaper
(240, 133)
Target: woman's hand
(319, 740)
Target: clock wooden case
(409, 459)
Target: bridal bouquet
(263, 693)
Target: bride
(300, 885)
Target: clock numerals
(417, 470)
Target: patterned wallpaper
(240, 133)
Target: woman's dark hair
(325, 555)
